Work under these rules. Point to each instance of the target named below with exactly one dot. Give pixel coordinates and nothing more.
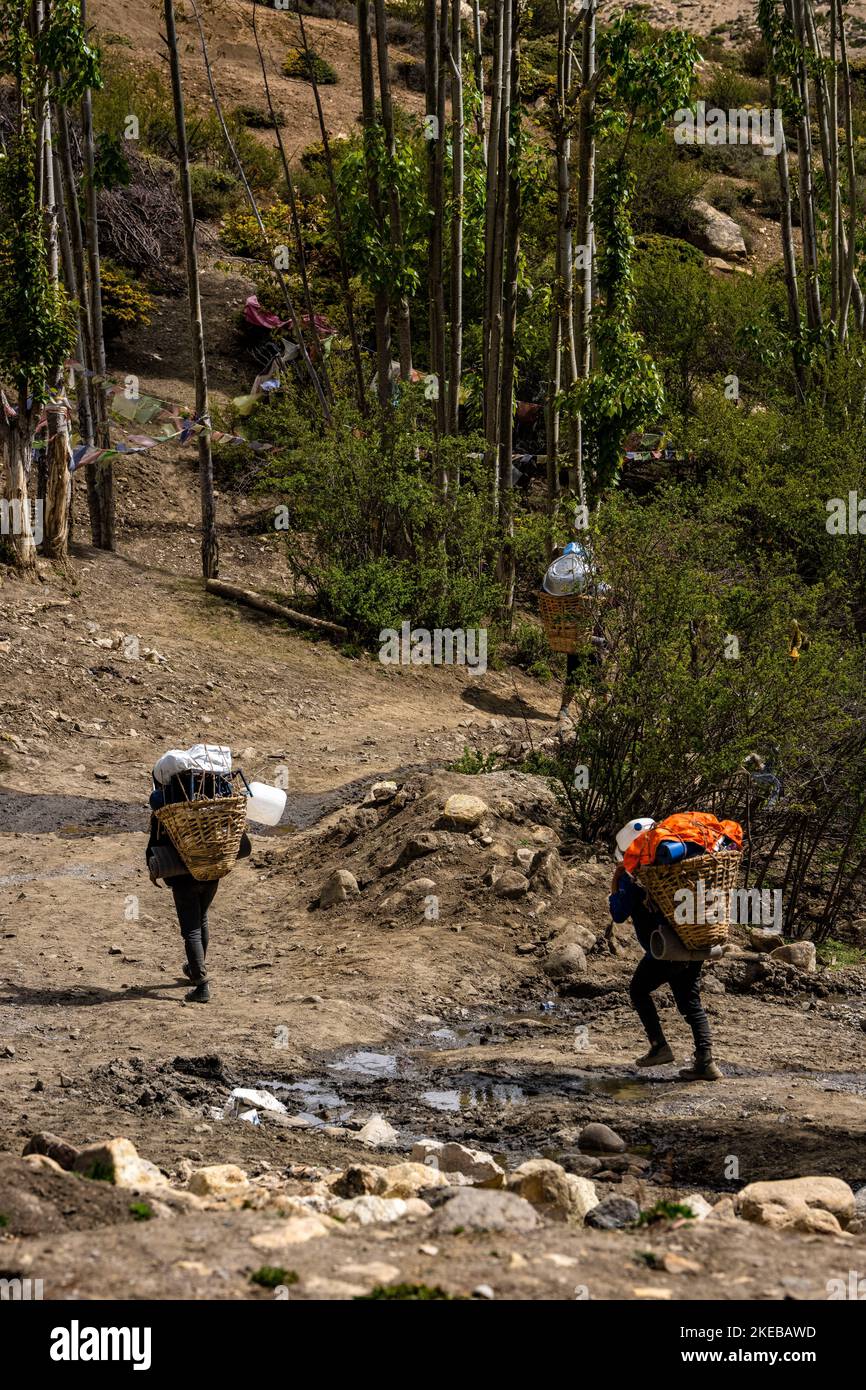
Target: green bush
(307, 63)
(368, 534)
(214, 191)
(667, 182)
(125, 303)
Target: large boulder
(371, 1211)
(337, 888)
(613, 1213)
(472, 1164)
(359, 1180)
(218, 1180)
(564, 962)
(560, 1195)
(463, 812)
(801, 1203)
(546, 872)
(715, 231)
(52, 1146)
(596, 1138)
(409, 1179)
(479, 1209)
(799, 953)
(511, 883)
(572, 934)
(377, 1133)
(117, 1161)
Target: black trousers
(192, 898)
(684, 979)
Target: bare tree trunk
(848, 269)
(312, 374)
(400, 303)
(500, 212)
(496, 79)
(478, 67)
(348, 303)
(296, 223)
(585, 236)
(562, 318)
(209, 542)
(368, 106)
(100, 476)
(77, 282)
(457, 175)
(509, 320)
(16, 437)
(807, 188)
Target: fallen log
(276, 610)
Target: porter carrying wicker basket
(567, 620)
(206, 832)
(702, 875)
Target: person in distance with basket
(642, 844)
(196, 834)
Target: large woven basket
(206, 832)
(567, 620)
(719, 872)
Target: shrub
(666, 184)
(368, 534)
(125, 304)
(240, 232)
(213, 190)
(258, 118)
(307, 63)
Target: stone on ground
(337, 888)
(596, 1138)
(560, 1195)
(480, 1209)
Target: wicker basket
(719, 872)
(206, 832)
(567, 620)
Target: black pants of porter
(684, 979)
(192, 898)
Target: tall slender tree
(209, 542)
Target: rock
(377, 1132)
(762, 940)
(337, 888)
(600, 1139)
(768, 1202)
(421, 886)
(370, 1210)
(117, 1161)
(54, 1147)
(799, 953)
(43, 1162)
(583, 1165)
(716, 232)
(547, 873)
(217, 1180)
(613, 1213)
(510, 884)
(672, 1263)
(483, 1291)
(473, 1164)
(560, 1195)
(724, 1210)
(572, 934)
(295, 1230)
(479, 1209)
(544, 835)
(859, 1200)
(360, 1180)
(383, 791)
(698, 1205)
(425, 842)
(463, 812)
(409, 1179)
(504, 808)
(565, 962)
(523, 857)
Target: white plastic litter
(252, 1117)
(262, 1099)
(202, 757)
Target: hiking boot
(188, 972)
(199, 995)
(658, 1055)
(703, 1068)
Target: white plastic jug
(265, 804)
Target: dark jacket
(173, 793)
(630, 900)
